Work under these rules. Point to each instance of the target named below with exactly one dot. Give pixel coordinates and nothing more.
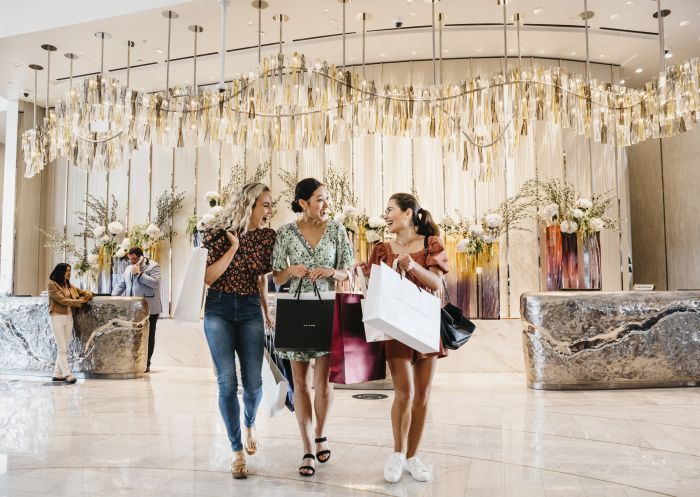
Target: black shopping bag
(304, 321)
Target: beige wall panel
(182, 244)
(138, 198)
(207, 175)
(647, 214)
(681, 180)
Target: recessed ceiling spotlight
(538, 10)
(81, 53)
(95, 61)
(250, 23)
(333, 21)
(639, 70)
(629, 4)
(614, 16)
(541, 51)
(158, 51)
(479, 50)
(351, 58)
(573, 53)
(410, 1)
(17, 64)
(622, 81)
(382, 54)
(325, 11)
(413, 52)
(602, 56)
(447, 50)
(668, 54)
(683, 23)
(412, 14)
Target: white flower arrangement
(206, 221)
(488, 239)
(569, 227)
(372, 236)
(93, 259)
(349, 210)
(121, 252)
(476, 231)
(126, 243)
(447, 221)
(153, 231)
(576, 213)
(584, 203)
(550, 211)
(463, 245)
(597, 224)
(216, 210)
(213, 198)
(376, 222)
(116, 228)
(147, 244)
(493, 220)
(105, 239)
(340, 218)
(99, 231)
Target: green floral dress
(291, 248)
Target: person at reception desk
(142, 279)
(63, 298)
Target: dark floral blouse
(252, 260)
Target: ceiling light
(413, 52)
(602, 56)
(412, 14)
(95, 61)
(333, 21)
(639, 70)
(17, 64)
(479, 50)
(250, 23)
(351, 57)
(668, 54)
(614, 16)
(447, 50)
(629, 4)
(538, 10)
(325, 11)
(81, 53)
(382, 54)
(541, 51)
(573, 53)
(683, 23)
(158, 51)
(410, 1)
(622, 81)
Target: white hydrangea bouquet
(375, 229)
(142, 235)
(349, 218)
(106, 238)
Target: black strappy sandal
(322, 453)
(307, 468)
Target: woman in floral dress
(313, 249)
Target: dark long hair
(303, 191)
(59, 274)
(421, 217)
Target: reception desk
(601, 340)
(110, 338)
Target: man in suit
(142, 279)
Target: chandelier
(291, 104)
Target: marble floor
(487, 436)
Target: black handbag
(455, 328)
(304, 325)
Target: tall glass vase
(553, 258)
(569, 254)
(591, 269)
(488, 282)
(465, 297)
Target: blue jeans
(233, 324)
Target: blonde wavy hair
(237, 211)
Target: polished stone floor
(487, 436)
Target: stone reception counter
(599, 340)
(110, 338)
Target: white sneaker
(394, 467)
(418, 470)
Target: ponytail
(421, 218)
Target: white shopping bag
(398, 308)
(188, 306)
(372, 334)
(275, 387)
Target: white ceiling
(70, 25)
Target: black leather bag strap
(442, 278)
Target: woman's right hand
(232, 240)
(298, 271)
(365, 267)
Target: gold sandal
(251, 442)
(239, 468)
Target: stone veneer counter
(600, 340)
(110, 338)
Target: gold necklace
(407, 242)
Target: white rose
(126, 243)
(584, 203)
(494, 220)
(152, 230)
(488, 239)
(372, 236)
(121, 252)
(147, 244)
(569, 227)
(477, 230)
(93, 259)
(340, 218)
(576, 213)
(597, 224)
(550, 211)
(215, 211)
(376, 222)
(463, 245)
(105, 239)
(349, 211)
(99, 231)
(448, 221)
(206, 220)
(116, 228)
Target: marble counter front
(591, 340)
(110, 338)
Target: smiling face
(262, 211)
(396, 219)
(68, 273)
(318, 205)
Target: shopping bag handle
(297, 292)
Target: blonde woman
(235, 313)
